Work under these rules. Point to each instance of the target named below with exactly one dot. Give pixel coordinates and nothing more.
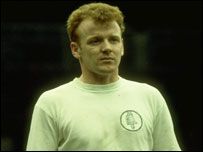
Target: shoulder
(59, 90)
(55, 95)
(141, 86)
(150, 93)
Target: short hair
(100, 12)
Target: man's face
(100, 47)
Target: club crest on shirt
(131, 120)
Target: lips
(106, 58)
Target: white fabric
(123, 115)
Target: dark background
(162, 48)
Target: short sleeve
(43, 131)
(164, 137)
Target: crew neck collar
(97, 87)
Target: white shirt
(123, 115)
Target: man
(100, 110)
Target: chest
(108, 121)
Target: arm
(43, 131)
(164, 135)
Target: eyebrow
(100, 36)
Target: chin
(107, 71)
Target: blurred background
(162, 48)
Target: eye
(94, 41)
(114, 40)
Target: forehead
(90, 27)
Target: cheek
(91, 52)
(89, 57)
(119, 52)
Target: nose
(106, 47)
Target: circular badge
(131, 120)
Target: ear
(122, 52)
(75, 50)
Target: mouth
(107, 59)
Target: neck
(99, 79)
